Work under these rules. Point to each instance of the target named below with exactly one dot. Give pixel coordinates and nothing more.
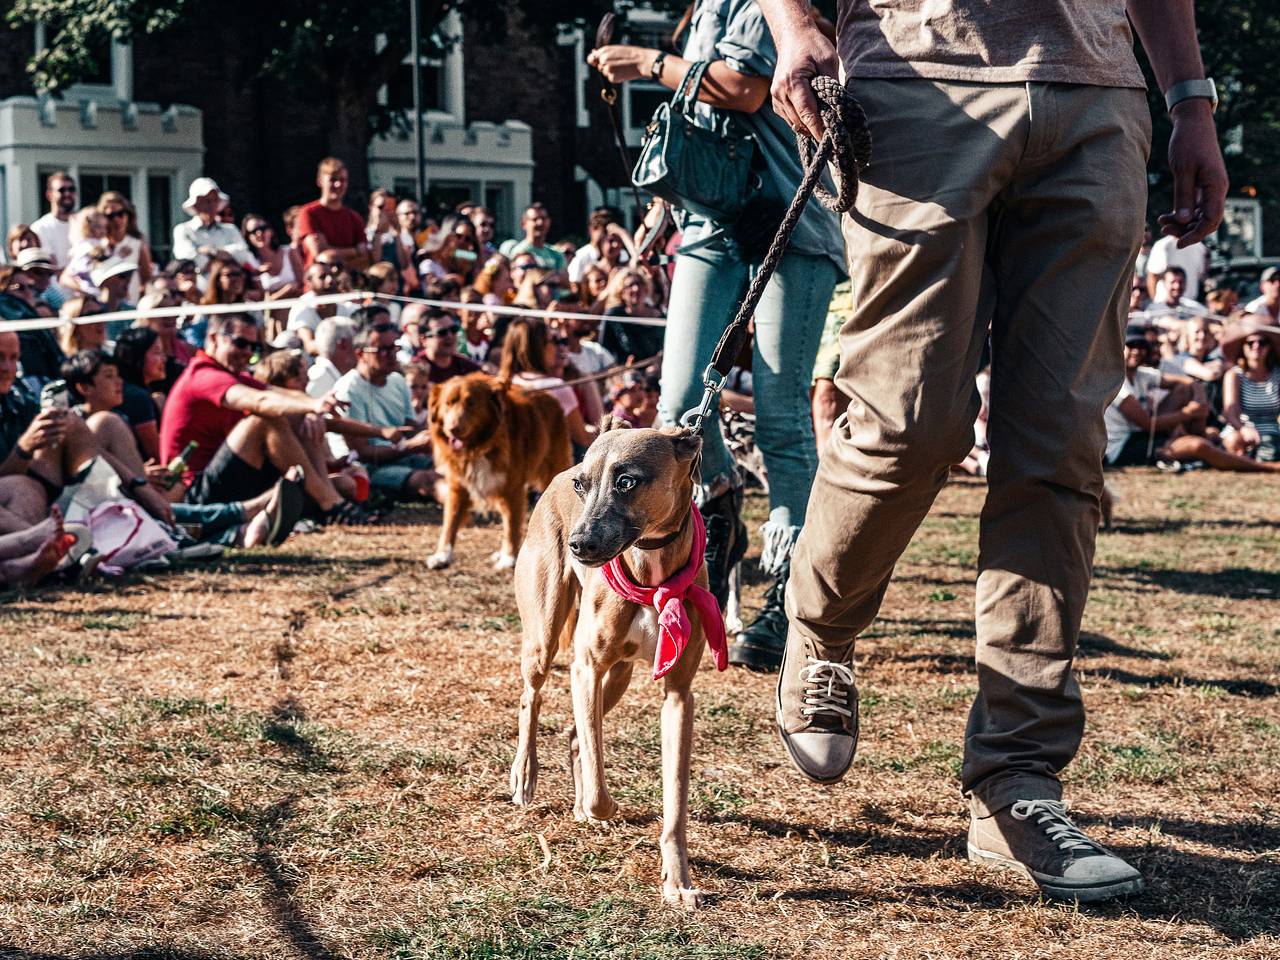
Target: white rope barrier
(258, 306)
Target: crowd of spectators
(240, 425)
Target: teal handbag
(705, 170)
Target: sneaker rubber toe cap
(821, 756)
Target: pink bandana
(668, 599)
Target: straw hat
(110, 268)
(1235, 334)
(199, 187)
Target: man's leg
(1062, 252)
(259, 440)
(909, 357)
(23, 502)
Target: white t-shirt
(1192, 259)
(305, 315)
(1260, 306)
(322, 376)
(1119, 427)
(390, 405)
(55, 236)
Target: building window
(443, 196)
(110, 77)
(442, 77)
(499, 199)
(160, 216)
(94, 184)
(400, 89)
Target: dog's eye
(578, 486)
(624, 483)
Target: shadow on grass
(1096, 645)
(1233, 583)
(1238, 688)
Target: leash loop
(846, 147)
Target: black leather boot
(726, 539)
(760, 645)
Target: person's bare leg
(260, 439)
(1197, 448)
(23, 503)
(37, 563)
(828, 403)
(22, 542)
(116, 440)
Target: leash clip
(713, 383)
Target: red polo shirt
(194, 410)
(341, 228)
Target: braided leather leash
(846, 143)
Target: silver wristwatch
(1192, 90)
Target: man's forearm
(784, 16)
(1167, 29)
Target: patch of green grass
(941, 596)
(111, 621)
(1157, 759)
(500, 926)
(716, 799)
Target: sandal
(345, 514)
(288, 511)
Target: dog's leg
(615, 685)
(542, 636)
(677, 744)
(457, 502)
(594, 802)
(512, 507)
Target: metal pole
(419, 158)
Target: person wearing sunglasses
(245, 440)
(376, 393)
(124, 240)
(54, 228)
(439, 333)
(41, 355)
(1251, 389)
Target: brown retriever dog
(492, 444)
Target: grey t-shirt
(735, 31)
(989, 41)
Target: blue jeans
(708, 287)
(219, 522)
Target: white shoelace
(1051, 816)
(826, 687)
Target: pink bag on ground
(126, 536)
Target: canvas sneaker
(1037, 839)
(817, 707)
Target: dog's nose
(583, 545)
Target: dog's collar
(669, 599)
(670, 538)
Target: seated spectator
(1267, 305)
(124, 241)
(74, 336)
(384, 239)
(1142, 430)
(139, 356)
(476, 331)
(161, 294)
(589, 253)
(453, 251)
(1174, 286)
(1200, 359)
(336, 354)
(41, 355)
(279, 268)
(409, 218)
(583, 353)
(88, 249)
(538, 288)
(418, 377)
(486, 226)
(245, 443)
(112, 278)
(629, 296)
(593, 288)
(528, 356)
(323, 278)
(37, 263)
(52, 447)
(410, 342)
(204, 235)
(225, 285)
(325, 224)
(494, 279)
(376, 393)
(186, 279)
(633, 397)
(439, 332)
(31, 554)
(1222, 302)
(20, 237)
(1138, 299)
(1251, 390)
(536, 223)
(385, 278)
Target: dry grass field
(304, 754)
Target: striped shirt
(1260, 402)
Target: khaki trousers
(1021, 207)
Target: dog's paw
(598, 813)
(689, 898)
(503, 560)
(440, 560)
(523, 783)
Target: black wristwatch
(136, 483)
(655, 71)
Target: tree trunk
(349, 139)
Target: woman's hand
(620, 62)
(1249, 435)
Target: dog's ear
(498, 397)
(687, 444)
(610, 422)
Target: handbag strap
(687, 93)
